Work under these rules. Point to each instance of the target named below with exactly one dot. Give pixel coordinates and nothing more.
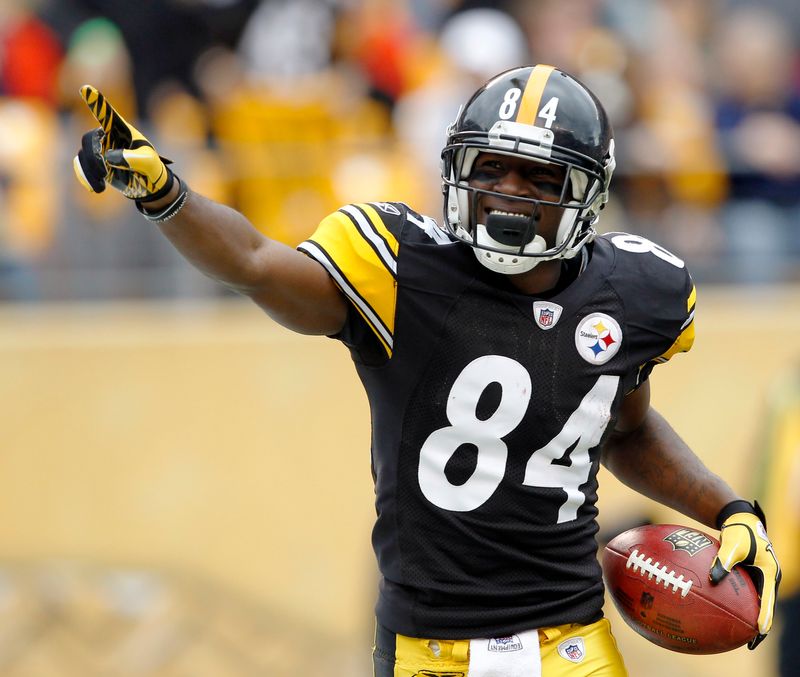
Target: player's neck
(540, 280)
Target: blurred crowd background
(155, 521)
(287, 109)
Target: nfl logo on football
(688, 540)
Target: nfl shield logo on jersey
(546, 314)
(572, 649)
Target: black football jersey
(489, 408)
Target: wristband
(171, 209)
(740, 505)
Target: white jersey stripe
(319, 255)
(369, 233)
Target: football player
(506, 352)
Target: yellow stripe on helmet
(532, 96)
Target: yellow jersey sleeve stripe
(360, 255)
(532, 96)
(685, 339)
(375, 234)
(682, 344)
(366, 270)
(362, 305)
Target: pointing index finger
(117, 132)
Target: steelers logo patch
(598, 338)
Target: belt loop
(461, 651)
(550, 634)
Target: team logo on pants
(572, 649)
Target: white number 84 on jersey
(584, 429)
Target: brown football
(657, 576)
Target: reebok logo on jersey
(598, 338)
(387, 207)
(546, 314)
(502, 644)
(572, 649)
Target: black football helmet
(535, 113)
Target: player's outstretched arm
(646, 454)
(293, 289)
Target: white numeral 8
(467, 428)
(641, 245)
(509, 105)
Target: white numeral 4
(583, 429)
(548, 112)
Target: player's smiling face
(517, 177)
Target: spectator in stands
(757, 102)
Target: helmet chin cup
(506, 264)
(505, 258)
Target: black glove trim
(739, 505)
(144, 143)
(160, 193)
(90, 157)
(760, 513)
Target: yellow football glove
(118, 154)
(743, 540)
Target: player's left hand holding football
(743, 540)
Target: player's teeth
(501, 212)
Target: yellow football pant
(562, 655)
